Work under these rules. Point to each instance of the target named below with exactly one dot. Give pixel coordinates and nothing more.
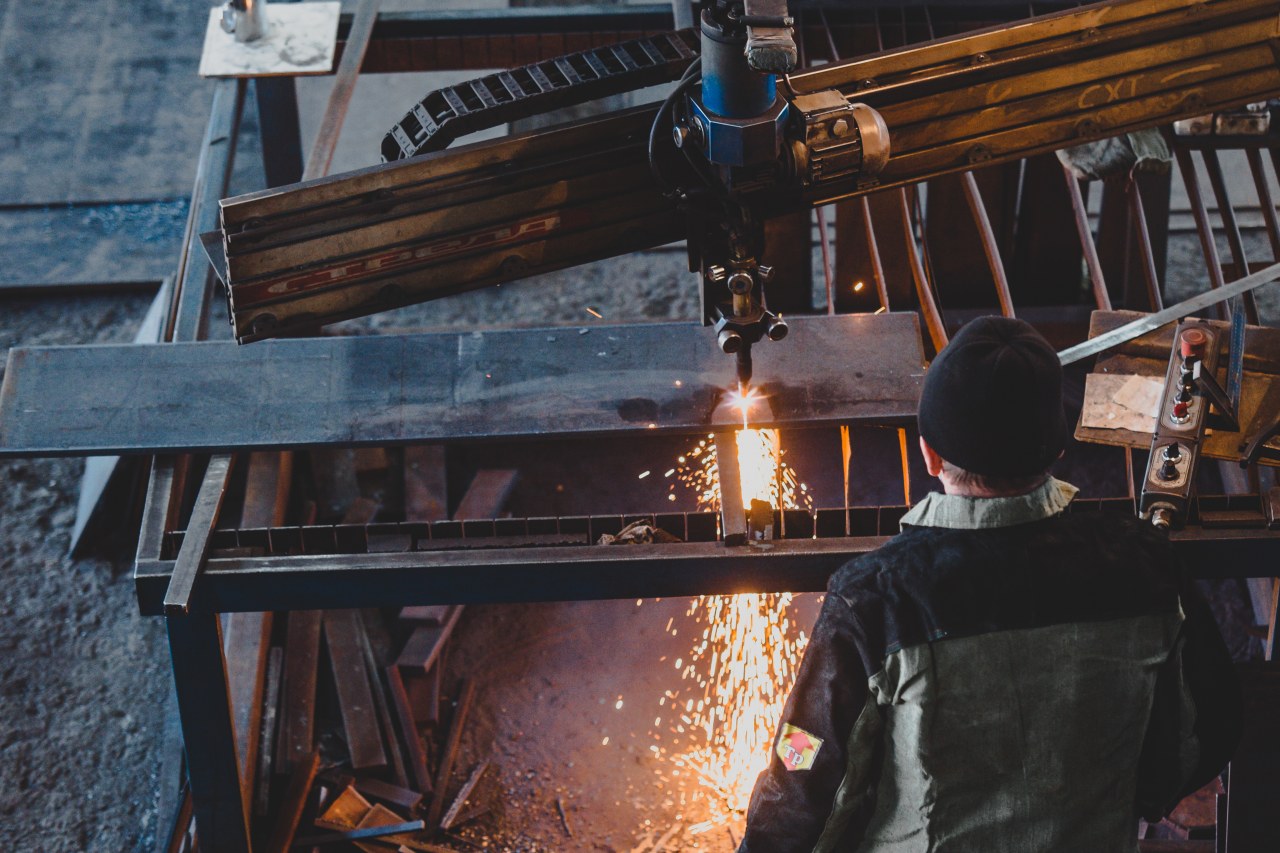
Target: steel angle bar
(195, 545)
(213, 174)
(571, 573)
(344, 85)
(1150, 322)
(379, 390)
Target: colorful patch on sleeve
(797, 748)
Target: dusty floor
(83, 677)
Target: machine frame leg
(208, 731)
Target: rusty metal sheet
(379, 390)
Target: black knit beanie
(992, 400)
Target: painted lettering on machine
(797, 748)
(395, 259)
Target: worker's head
(991, 420)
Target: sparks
(594, 313)
(744, 659)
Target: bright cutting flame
(744, 661)
(742, 400)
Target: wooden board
(370, 390)
(1148, 355)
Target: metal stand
(208, 734)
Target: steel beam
(381, 390)
(579, 573)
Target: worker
(1000, 677)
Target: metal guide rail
(445, 114)
(1209, 512)
(556, 559)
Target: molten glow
(742, 400)
(759, 452)
(764, 473)
(744, 659)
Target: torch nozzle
(743, 357)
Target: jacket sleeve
(795, 798)
(1196, 715)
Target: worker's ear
(932, 461)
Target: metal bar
(195, 642)
(344, 84)
(356, 834)
(302, 654)
(1138, 215)
(213, 175)
(1265, 200)
(1235, 361)
(553, 20)
(422, 388)
(279, 128)
(585, 573)
(1228, 215)
(733, 515)
(195, 545)
(208, 732)
(989, 247)
(1204, 228)
(873, 255)
(904, 454)
(922, 226)
(826, 260)
(217, 156)
(1270, 646)
(248, 641)
(1150, 322)
(929, 308)
(1101, 297)
(342, 633)
(826, 29)
(682, 14)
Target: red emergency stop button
(1192, 343)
